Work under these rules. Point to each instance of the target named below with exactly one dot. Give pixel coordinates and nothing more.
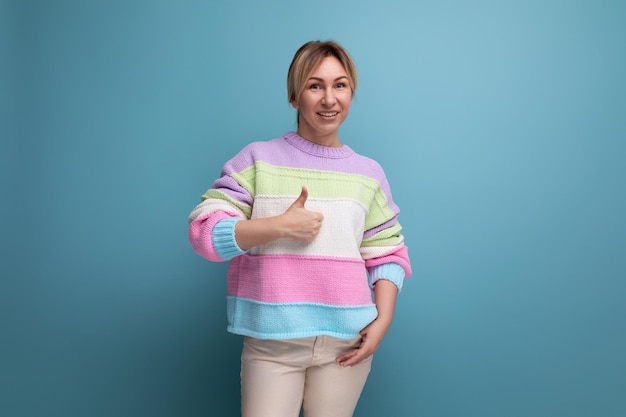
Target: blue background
(501, 126)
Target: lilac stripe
(230, 187)
(371, 232)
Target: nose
(328, 98)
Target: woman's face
(324, 103)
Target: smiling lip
(328, 113)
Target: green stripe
(273, 180)
(265, 179)
(212, 193)
(246, 179)
(285, 181)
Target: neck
(330, 140)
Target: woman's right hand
(295, 223)
(299, 223)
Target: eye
(341, 85)
(314, 87)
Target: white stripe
(370, 252)
(340, 235)
(213, 204)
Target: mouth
(328, 113)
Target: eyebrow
(336, 79)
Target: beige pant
(280, 376)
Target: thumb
(302, 198)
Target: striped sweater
(289, 289)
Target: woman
(310, 230)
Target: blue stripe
(391, 272)
(223, 236)
(296, 320)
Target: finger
(343, 359)
(304, 194)
(359, 355)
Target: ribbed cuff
(223, 236)
(391, 272)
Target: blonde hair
(308, 58)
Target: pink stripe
(399, 255)
(200, 234)
(289, 279)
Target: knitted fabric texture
(290, 289)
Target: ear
(295, 105)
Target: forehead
(330, 67)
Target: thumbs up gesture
(300, 223)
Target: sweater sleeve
(389, 271)
(212, 236)
(383, 249)
(223, 238)
(212, 222)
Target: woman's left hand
(385, 293)
(371, 336)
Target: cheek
(304, 104)
(347, 102)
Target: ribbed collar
(318, 150)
